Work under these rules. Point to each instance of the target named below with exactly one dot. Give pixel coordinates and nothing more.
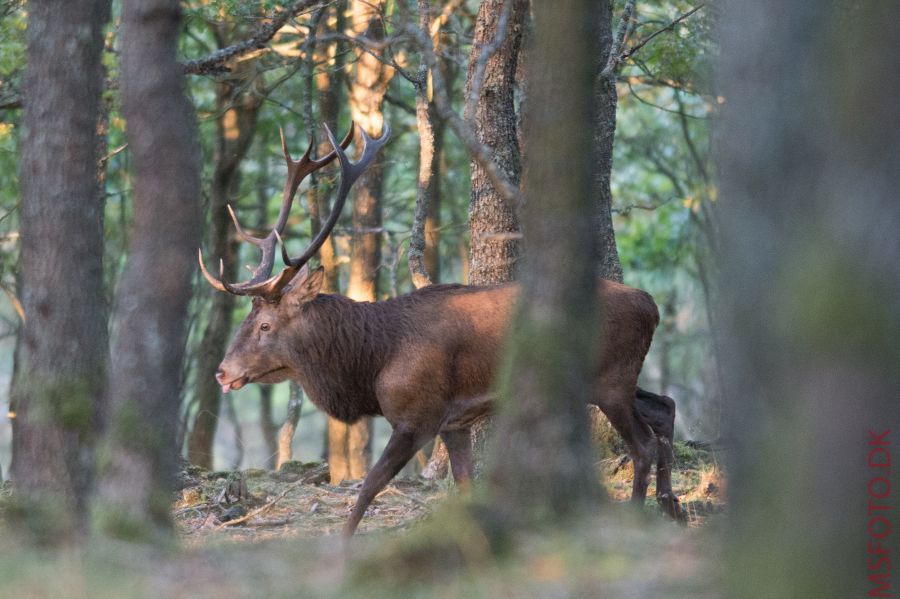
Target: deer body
(425, 360)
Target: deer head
(261, 349)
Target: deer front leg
(401, 447)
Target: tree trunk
(367, 91)
(148, 334)
(235, 129)
(286, 433)
(608, 265)
(494, 231)
(810, 286)
(494, 226)
(61, 374)
(267, 426)
(542, 467)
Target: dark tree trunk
(267, 426)
(153, 292)
(608, 265)
(810, 286)
(542, 467)
(494, 226)
(61, 373)
(235, 129)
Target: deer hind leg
(618, 403)
(401, 448)
(459, 447)
(658, 411)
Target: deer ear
(306, 285)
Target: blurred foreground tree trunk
(148, 334)
(61, 374)
(811, 280)
(494, 232)
(542, 466)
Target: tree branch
(214, 63)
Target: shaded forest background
(329, 63)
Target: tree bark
(148, 334)
(810, 280)
(608, 264)
(541, 467)
(235, 130)
(61, 375)
(267, 426)
(493, 225)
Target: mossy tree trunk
(148, 335)
(61, 372)
(541, 466)
(810, 285)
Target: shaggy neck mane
(350, 342)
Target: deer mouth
(244, 379)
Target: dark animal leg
(459, 446)
(401, 448)
(658, 411)
(619, 406)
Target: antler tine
(350, 172)
(261, 282)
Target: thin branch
(480, 152)
(214, 63)
(670, 27)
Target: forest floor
(271, 534)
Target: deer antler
(350, 172)
(261, 282)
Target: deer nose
(220, 374)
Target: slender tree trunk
(148, 334)
(267, 426)
(810, 286)
(542, 463)
(61, 374)
(367, 91)
(235, 129)
(608, 264)
(286, 433)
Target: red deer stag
(424, 360)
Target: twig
(630, 52)
(260, 510)
(395, 491)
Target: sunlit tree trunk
(542, 467)
(237, 105)
(61, 373)
(810, 286)
(369, 84)
(148, 334)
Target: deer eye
(264, 326)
